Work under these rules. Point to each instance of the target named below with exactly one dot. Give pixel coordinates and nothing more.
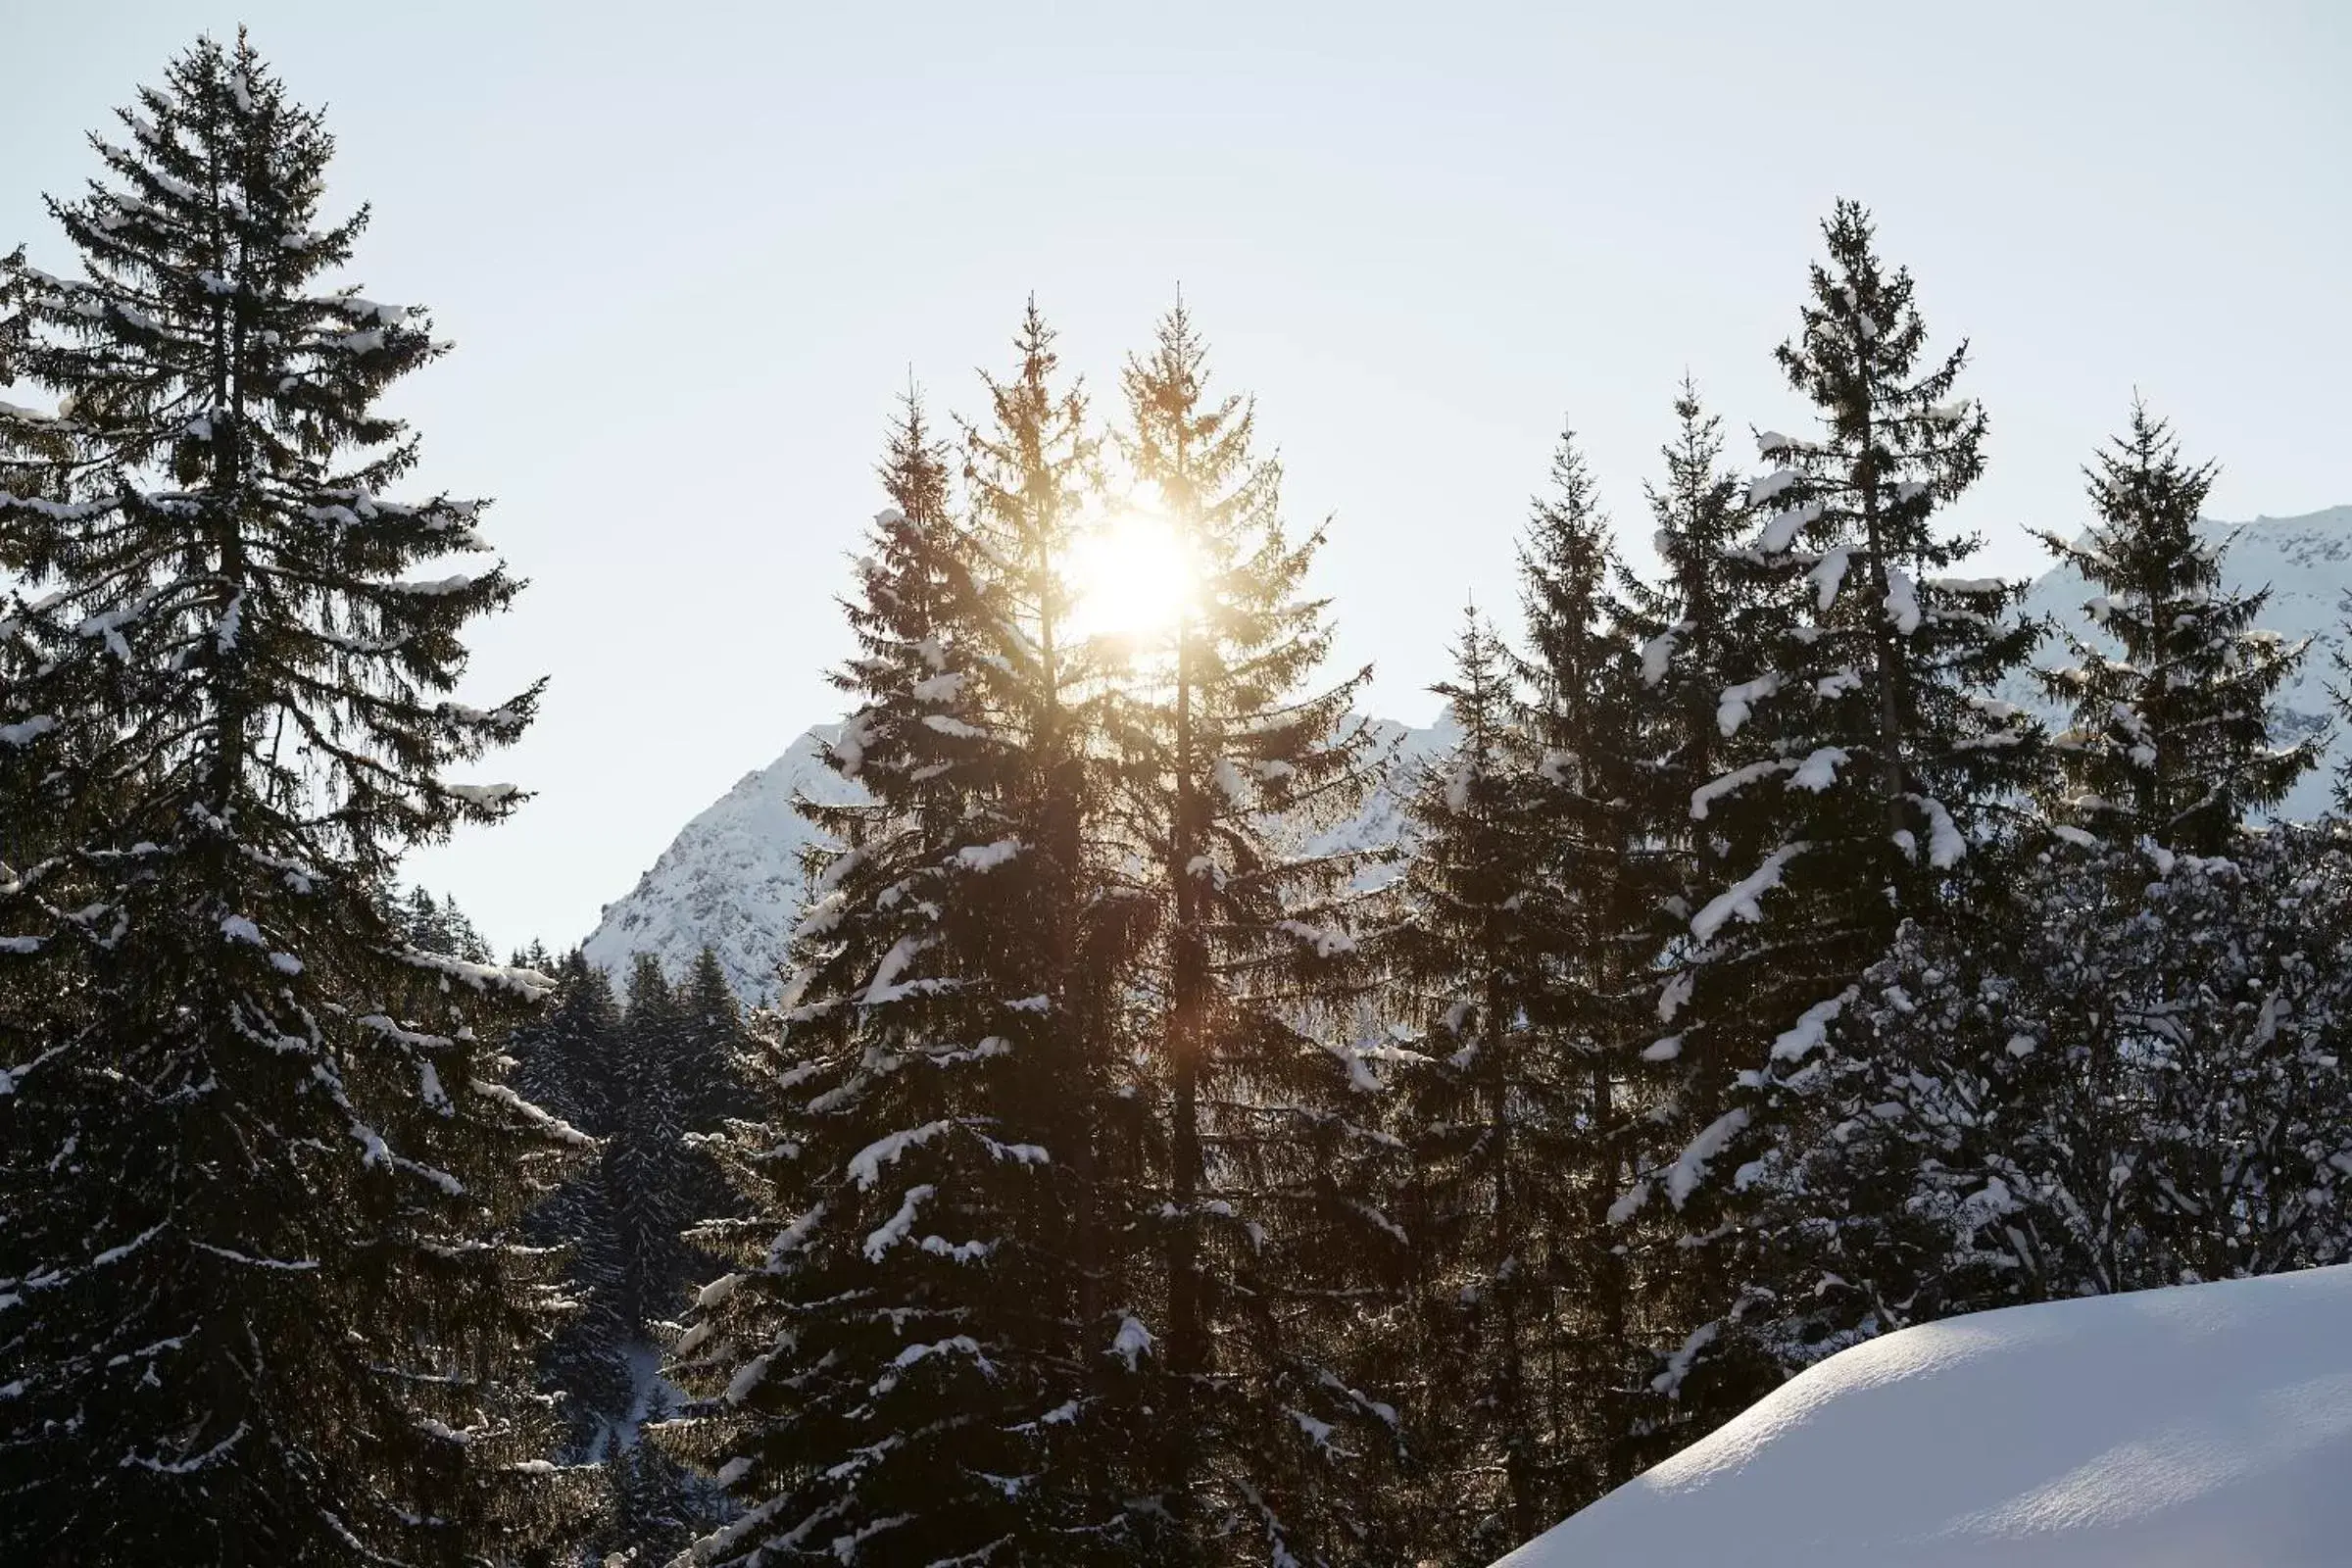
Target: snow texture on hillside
(731, 879)
(2307, 565)
(2207, 1426)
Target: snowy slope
(2203, 1427)
(731, 879)
(2307, 565)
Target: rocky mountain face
(731, 880)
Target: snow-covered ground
(2208, 1426)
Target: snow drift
(2208, 1426)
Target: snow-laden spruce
(918, 1351)
(1851, 778)
(1266, 1407)
(261, 1292)
(2173, 705)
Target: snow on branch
(865, 1166)
(554, 1126)
(1811, 1029)
(1689, 1167)
(1738, 778)
(1742, 897)
(1733, 708)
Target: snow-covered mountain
(2193, 1427)
(731, 879)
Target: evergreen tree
(438, 925)
(1267, 1221)
(628, 1266)
(2126, 1080)
(1594, 892)
(1496, 1116)
(1918, 767)
(264, 1298)
(889, 1374)
(567, 1061)
(644, 1153)
(713, 1039)
(1867, 774)
(1031, 472)
(1715, 615)
(1891, 671)
(2172, 734)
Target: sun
(1131, 576)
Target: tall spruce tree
(1712, 618)
(1897, 764)
(260, 1296)
(1032, 472)
(1266, 1220)
(1864, 770)
(1594, 895)
(2171, 738)
(1496, 1116)
(890, 1374)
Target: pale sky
(688, 251)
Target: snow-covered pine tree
(707, 1089)
(1495, 1114)
(711, 1026)
(1890, 693)
(2133, 1077)
(437, 926)
(568, 1063)
(1714, 616)
(1032, 472)
(2171, 738)
(644, 1151)
(1880, 767)
(1267, 1224)
(1596, 895)
(888, 1376)
(261, 1295)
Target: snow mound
(2207, 1426)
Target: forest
(1129, 1171)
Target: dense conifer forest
(1124, 1176)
